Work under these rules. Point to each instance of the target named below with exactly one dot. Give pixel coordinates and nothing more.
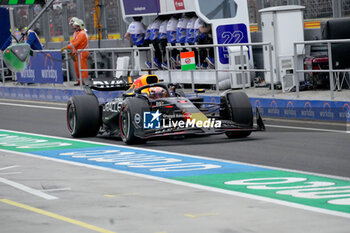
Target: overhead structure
(22, 2)
(17, 55)
(229, 21)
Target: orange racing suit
(80, 41)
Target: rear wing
(109, 84)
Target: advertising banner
(4, 26)
(43, 67)
(137, 7)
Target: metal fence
(334, 83)
(12, 75)
(241, 70)
(336, 80)
(133, 52)
(314, 9)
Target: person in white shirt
(136, 32)
(171, 36)
(182, 29)
(190, 37)
(163, 40)
(154, 38)
(202, 34)
(148, 36)
(172, 28)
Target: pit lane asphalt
(123, 203)
(285, 144)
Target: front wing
(226, 126)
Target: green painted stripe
(23, 143)
(320, 192)
(317, 191)
(30, 2)
(13, 2)
(188, 67)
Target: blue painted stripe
(159, 164)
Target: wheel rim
(71, 118)
(124, 123)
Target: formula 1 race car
(150, 109)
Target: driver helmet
(157, 92)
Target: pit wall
(337, 111)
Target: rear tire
(130, 108)
(241, 113)
(83, 116)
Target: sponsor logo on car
(152, 120)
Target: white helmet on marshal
(80, 23)
(72, 20)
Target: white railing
(241, 70)
(330, 69)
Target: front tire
(83, 116)
(130, 108)
(241, 113)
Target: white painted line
(196, 186)
(32, 106)
(54, 190)
(10, 173)
(9, 167)
(308, 129)
(27, 189)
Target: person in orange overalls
(79, 41)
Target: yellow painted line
(56, 216)
(122, 194)
(201, 215)
(109, 195)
